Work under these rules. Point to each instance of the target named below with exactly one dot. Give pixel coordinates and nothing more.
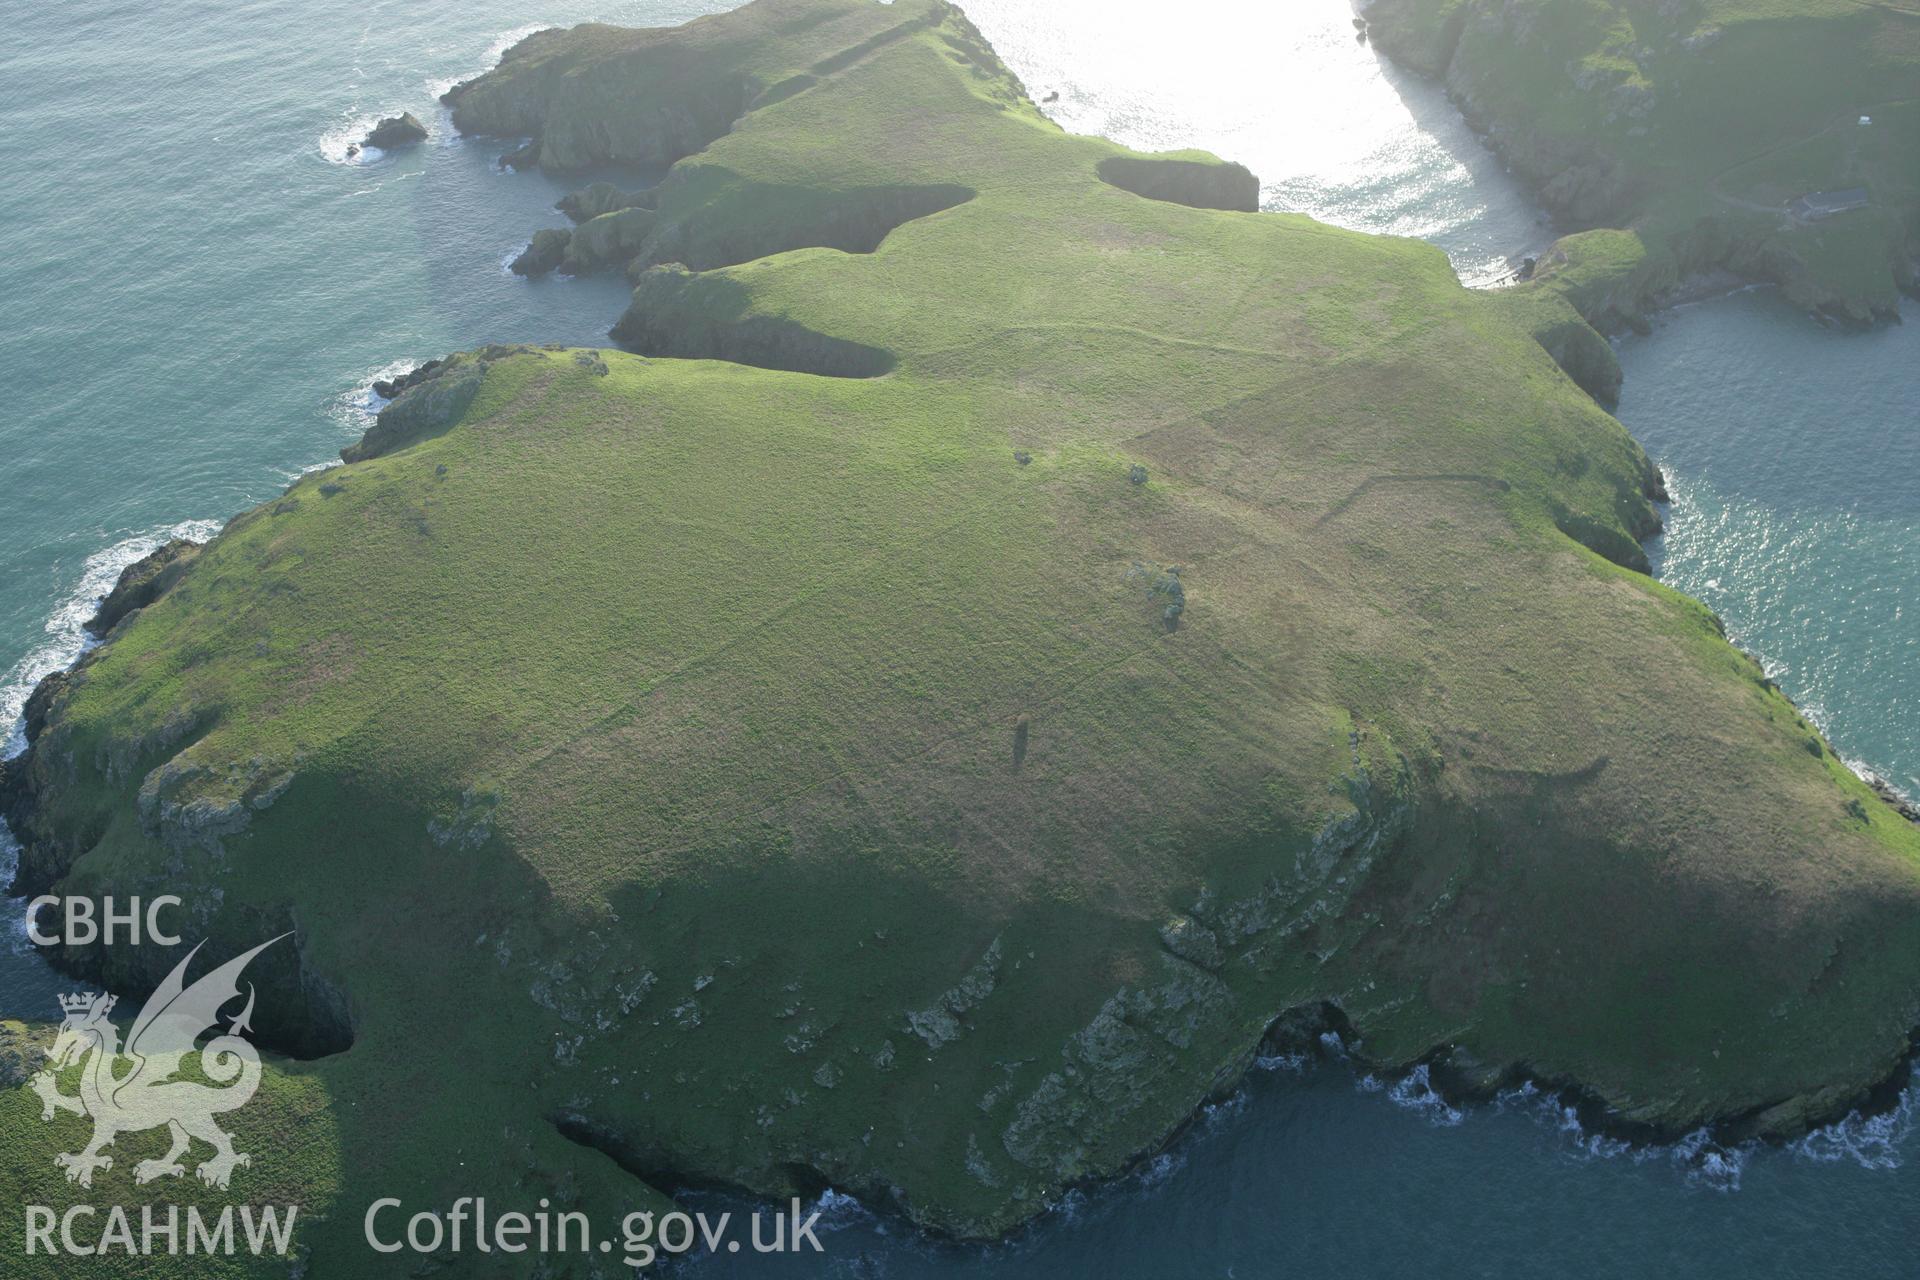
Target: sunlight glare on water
(1330, 127)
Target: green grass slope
(1695, 126)
(289, 1129)
(916, 721)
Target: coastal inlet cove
(892, 638)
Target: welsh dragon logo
(139, 1088)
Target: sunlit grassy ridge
(1697, 125)
(738, 773)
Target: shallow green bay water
(198, 288)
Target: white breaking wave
(16, 936)
(1414, 1092)
(838, 1210)
(1872, 1142)
(354, 412)
(1701, 1160)
(1707, 1163)
(508, 39)
(488, 60)
(356, 407)
(1159, 1169)
(1292, 1063)
(1867, 772)
(347, 133)
(67, 636)
(354, 124)
(67, 639)
(1881, 1141)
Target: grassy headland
(1013, 625)
(1684, 139)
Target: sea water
(200, 285)
(1793, 456)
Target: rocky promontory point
(546, 251)
(143, 582)
(1013, 631)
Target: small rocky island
(403, 130)
(1014, 633)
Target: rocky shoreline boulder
(402, 130)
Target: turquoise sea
(1793, 453)
(198, 287)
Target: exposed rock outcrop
(388, 388)
(679, 223)
(1901, 804)
(402, 130)
(143, 582)
(602, 197)
(545, 252)
(609, 240)
(40, 702)
(428, 405)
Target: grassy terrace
(775, 757)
